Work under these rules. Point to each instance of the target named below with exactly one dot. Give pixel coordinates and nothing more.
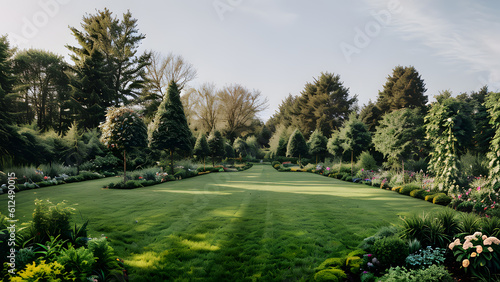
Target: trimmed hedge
(442, 199)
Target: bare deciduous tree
(207, 105)
(164, 69)
(238, 107)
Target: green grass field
(259, 224)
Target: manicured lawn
(251, 225)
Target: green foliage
(169, 130)
(414, 246)
(201, 149)
(404, 89)
(330, 274)
(77, 261)
(442, 199)
(432, 274)
(240, 147)
(42, 271)
(105, 258)
(469, 223)
(216, 145)
(390, 251)
(494, 154)
(400, 135)
(297, 146)
(317, 144)
(123, 129)
(490, 226)
(408, 188)
(366, 161)
(51, 220)
(323, 104)
(426, 257)
(353, 137)
(465, 206)
(430, 230)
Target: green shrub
(105, 258)
(41, 271)
(432, 274)
(367, 161)
(442, 199)
(490, 226)
(465, 207)
(78, 261)
(390, 251)
(274, 163)
(180, 174)
(419, 194)
(413, 246)
(348, 178)
(51, 219)
(276, 166)
(469, 223)
(330, 274)
(408, 188)
(430, 197)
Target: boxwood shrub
(442, 199)
(408, 188)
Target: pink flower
(478, 188)
(460, 196)
(328, 168)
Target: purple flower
(369, 264)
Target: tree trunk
(204, 163)
(124, 167)
(352, 161)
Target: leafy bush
(442, 199)
(52, 271)
(417, 166)
(104, 254)
(51, 219)
(430, 197)
(465, 206)
(419, 194)
(432, 274)
(77, 261)
(330, 274)
(490, 226)
(390, 251)
(426, 257)
(408, 188)
(413, 246)
(469, 223)
(383, 232)
(366, 161)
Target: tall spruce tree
(201, 149)
(405, 88)
(170, 130)
(297, 146)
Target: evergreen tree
(297, 146)
(400, 135)
(77, 149)
(370, 115)
(323, 104)
(229, 151)
(493, 106)
(240, 147)
(317, 144)
(352, 137)
(201, 149)
(170, 130)
(404, 89)
(123, 130)
(216, 145)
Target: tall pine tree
(297, 146)
(216, 145)
(201, 149)
(170, 130)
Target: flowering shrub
(479, 253)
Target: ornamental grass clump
(478, 253)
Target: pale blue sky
(278, 46)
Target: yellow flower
(479, 249)
(473, 255)
(465, 263)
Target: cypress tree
(317, 144)
(170, 130)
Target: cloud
(269, 13)
(462, 34)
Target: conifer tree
(201, 149)
(170, 130)
(317, 144)
(216, 145)
(297, 146)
